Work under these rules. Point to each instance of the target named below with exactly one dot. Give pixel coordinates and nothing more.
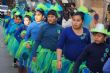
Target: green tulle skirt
(67, 66)
(24, 52)
(10, 42)
(6, 38)
(1, 21)
(12, 45)
(44, 61)
(15, 47)
(19, 51)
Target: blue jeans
(106, 68)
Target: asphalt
(5, 59)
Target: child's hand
(16, 28)
(34, 59)
(28, 45)
(22, 36)
(6, 20)
(59, 64)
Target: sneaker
(14, 65)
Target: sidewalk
(5, 60)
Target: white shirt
(67, 23)
(64, 1)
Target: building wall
(98, 6)
(10, 3)
(0, 2)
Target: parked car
(3, 10)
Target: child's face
(15, 19)
(51, 19)
(23, 36)
(26, 21)
(77, 22)
(18, 20)
(99, 38)
(108, 16)
(72, 6)
(38, 16)
(8, 13)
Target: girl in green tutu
(27, 21)
(9, 25)
(7, 19)
(32, 32)
(13, 47)
(45, 45)
(20, 35)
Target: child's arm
(79, 61)
(60, 46)
(37, 42)
(28, 33)
(17, 34)
(12, 29)
(106, 68)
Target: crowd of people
(54, 39)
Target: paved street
(5, 59)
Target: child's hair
(52, 12)
(27, 16)
(81, 14)
(100, 33)
(73, 4)
(27, 9)
(14, 13)
(19, 16)
(41, 11)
